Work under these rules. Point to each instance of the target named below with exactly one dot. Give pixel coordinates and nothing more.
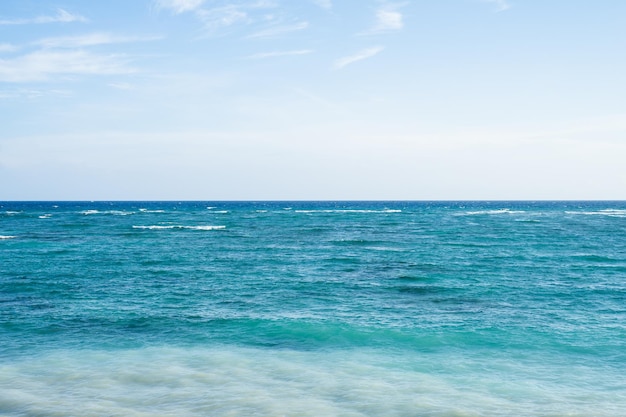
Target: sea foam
(497, 211)
(244, 381)
(349, 211)
(605, 212)
(166, 227)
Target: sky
(312, 99)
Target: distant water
(313, 309)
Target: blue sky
(312, 99)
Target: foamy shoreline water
(239, 382)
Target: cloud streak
(361, 55)
(218, 15)
(42, 65)
(62, 16)
(264, 55)
(324, 4)
(92, 39)
(501, 5)
(7, 47)
(279, 30)
(388, 20)
(179, 6)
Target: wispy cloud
(42, 65)
(263, 55)
(216, 15)
(220, 17)
(7, 47)
(388, 19)
(122, 86)
(324, 4)
(279, 30)
(62, 16)
(179, 6)
(501, 5)
(361, 55)
(32, 93)
(91, 39)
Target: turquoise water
(313, 309)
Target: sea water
(313, 309)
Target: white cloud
(279, 30)
(501, 5)
(122, 86)
(62, 16)
(324, 4)
(364, 54)
(279, 53)
(7, 47)
(222, 16)
(179, 6)
(388, 20)
(32, 93)
(91, 39)
(41, 65)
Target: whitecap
(497, 211)
(170, 227)
(349, 211)
(119, 212)
(386, 249)
(604, 212)
(205, 227)
(3, 237)
(112, 212)
(45, 216)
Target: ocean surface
(313, 309)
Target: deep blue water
(313, 308)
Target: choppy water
(313, 309)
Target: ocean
(390, 308)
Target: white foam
(497, 211)
(45, 216)
(233, 381)
(119, 212)
(3, 237)
(113, 212)
(349, 211)
(166, 227)
(605, 212)
(145, 210)
(386, 249)
(205, 227)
